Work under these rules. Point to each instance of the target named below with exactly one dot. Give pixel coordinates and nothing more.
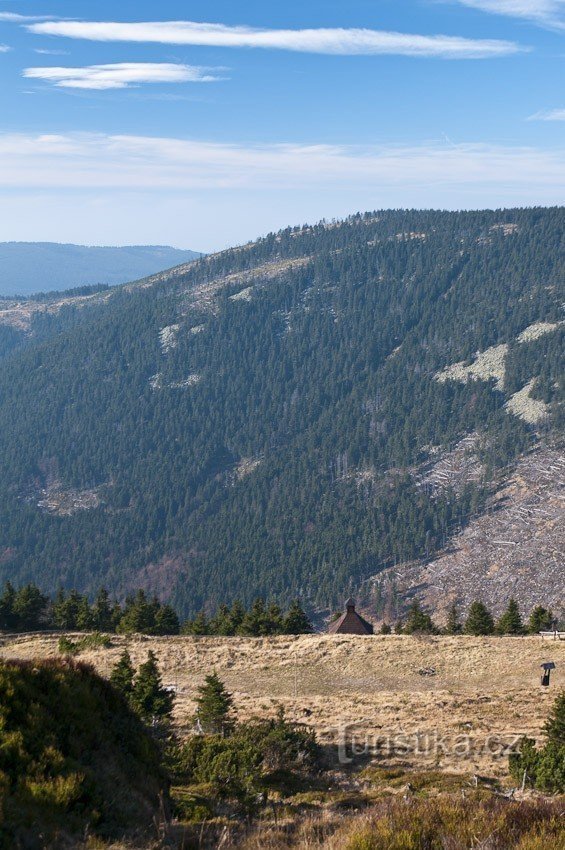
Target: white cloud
(44, 52)
(121, 75)
(549, 13)
(549, 115)
(118, 163)
(13, 17)
(101, 189)
(4, 48)
(327, 41)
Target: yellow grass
(481, 687)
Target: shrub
(543, 768)
(72, 756)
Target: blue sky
(205, 124)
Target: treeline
(29, 610)
(479, 621)
(259, 621)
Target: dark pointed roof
(350, 623)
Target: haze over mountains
(332, 409)
(27, 268)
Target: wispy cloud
(328, 41)
(549, 115)
(106, 189)
(152, 163)
(121, 75)
(548, 13)
(15, 18)
(5, 48)
(44, 52)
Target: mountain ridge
(248, 425)
(61, 266)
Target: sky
(207, 124)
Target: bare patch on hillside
(486, 365)
(156, 382)
(516, 548)
(454, 469)
(537, 330)
(58, 500)
(246, 466)
(204, 295)
(243, 295)
(529, 409)
(168, 338)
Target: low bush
(73, 757)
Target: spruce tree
(479, 620)
(166, 621)
(215, 705)
(122, 674)
(7, 615)
(102, 612)
(149, 697)
(296, 621)
(453, 626)
(510, 623)
(540, 620)
(555, 725)
(417, 621)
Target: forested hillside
(270, 420)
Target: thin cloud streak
(341, 42)
(549, 115)
(15, 18)
(117, 163)
(5, 48)
(121, 75)
(548, 13)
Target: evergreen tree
(479, 620)
(199, 626)
(8, 620)
(237, 615)
(555, 726)
(102, 616)
(385, 629)
(122, 675)
(453, 626)
(540, 620)
(255, 621)
(417, 621)
(151, 700)
(215, 706)
(30, 608)
(296, 621)
(166, 621)
(510, 623)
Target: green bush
(241, 768)
(72, 756)
(93, 641)
(543, 768)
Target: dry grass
(481, 687)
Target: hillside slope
(446, 687)
(285, 418)
(30, 267)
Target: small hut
(350, 622)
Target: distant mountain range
(27, 268)
(372, 407)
